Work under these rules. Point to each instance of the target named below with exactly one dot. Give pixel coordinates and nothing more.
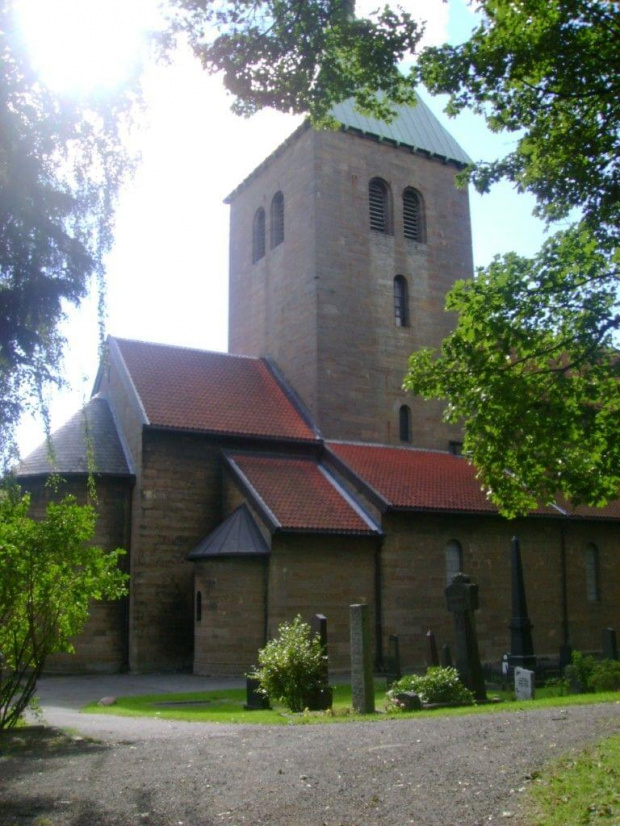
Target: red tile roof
(213, 392)
(416, 479)
(430, 480)
(300, 494)
(610, 511)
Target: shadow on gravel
(46, 811)
(21, 745)
(24, 754)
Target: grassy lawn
(227, 707)
(581, 791)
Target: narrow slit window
(454, 560)
(198, 606)
(401, 301)
(413, 215)
(379, 206)
(404, 422)
(593, 574)
(277, 220)
(258, 235)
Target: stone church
(293, 475)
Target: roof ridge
(405, 448)
(186, 348)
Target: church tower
(343, 245)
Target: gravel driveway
(459, 771)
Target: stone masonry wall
(102, 645)
(362, 354)
(231, 628)
(321, 575)
(180, 503)
(322, 303)
(272, 303)
(413, 572)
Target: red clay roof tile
(300, 494)
(416, 479)
(431, 480)
(200, 390)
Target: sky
(168, 270)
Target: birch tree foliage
(62, 163)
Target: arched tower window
(258, 235)
(380, 206)
(454, 560)
(414, 225)
(401, 301)
(277, 219)
(404, 423)
(593, 574)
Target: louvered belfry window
(401, 301)
(379, 206)
(413, 215)
(258, 236)
(277, 220)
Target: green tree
(532, 368)
(532, 371)
(301, 56)
(62, 161)
(48, 576)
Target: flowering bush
(438, 685)
(293, 667)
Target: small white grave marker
(524, 684)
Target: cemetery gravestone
(524, 684)
(362, 684)
(319, 629)
(462, 599)
(254, 699)
(322, 698)
(610, 646)
(521, 645)
(392, 663)
(431, 649)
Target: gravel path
(450, 771)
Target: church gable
(196, 390)
(298, 494)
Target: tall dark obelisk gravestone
(521, 645)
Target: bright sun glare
(79, 45)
